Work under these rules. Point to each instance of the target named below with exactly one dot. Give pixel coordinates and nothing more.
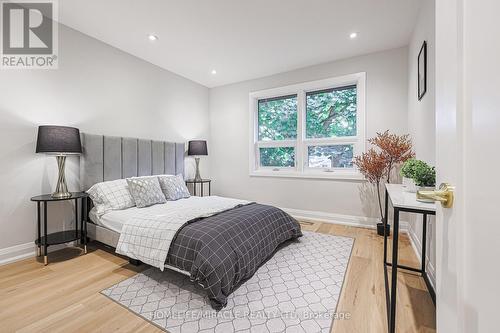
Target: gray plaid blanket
(225, 249)
(149, 232)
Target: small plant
(424, 174)
(421, 173)
(408, 168)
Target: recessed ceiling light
(353, 35)
(152, 37)
(213, 72)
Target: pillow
(111, 195)
(174, 187)
(146, 191)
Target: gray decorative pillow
(174, 187)
(111, 195)
(146, 191)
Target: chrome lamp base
(61, 188)
(197, 177)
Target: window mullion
(299, 150)
(276, 143)
(330, 141)
(256, 156)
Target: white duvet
(148, 232)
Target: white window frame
(301, 144)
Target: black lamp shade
(197, 147)
(58, 140)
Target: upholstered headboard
(108, 158)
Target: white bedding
(146, 233)
(114, 220)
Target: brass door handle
(443, 195)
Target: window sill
(348, 176)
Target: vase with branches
(377, 164)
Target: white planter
(409, 185)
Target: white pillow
(111, 195)
(146, 191)
(174, 187)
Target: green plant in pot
(418, 175)
(424, 175)
(408, 173)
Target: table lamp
(197, 148)
(59, 141)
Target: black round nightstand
(60, 237)
(202, 183)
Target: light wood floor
(64, 296)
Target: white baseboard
(349, 220)
(24, 251)
(417, 248)
(17, 252)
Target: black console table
(403, 202)
(60, 237)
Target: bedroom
(238, 135)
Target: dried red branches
(396, 149)
(374, 165)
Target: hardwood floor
(64, 296)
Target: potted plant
(408, 173)
(424, 176)
(376, 165)
(373, 165)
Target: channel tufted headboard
(108, 158)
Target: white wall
(421, 114)
(422, 119)
(386, 108)
(98, 89)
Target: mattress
(111, 220)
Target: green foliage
(331, 113)
(425, 176)
(421, 173)
(277, 157)
(278, 119)
(408, 168)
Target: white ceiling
(242, 39)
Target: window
(277, 131)
(312, 129)
(278, 118)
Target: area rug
(296, 290)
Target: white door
(468, 157)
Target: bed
(218, 242)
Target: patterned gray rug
(295, 291)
